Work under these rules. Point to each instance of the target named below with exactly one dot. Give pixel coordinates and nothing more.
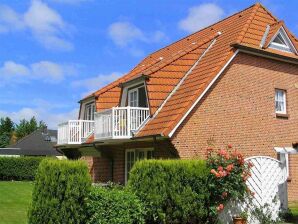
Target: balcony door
(89, 111)
(137, 97)
(133, 155)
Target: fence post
(128, 121)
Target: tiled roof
(179, 73)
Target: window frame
(136, 90)
(284, 101)
(92, 110)
(135, 150)
(288, 47)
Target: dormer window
(282, 42)
(137, 97)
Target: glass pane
(142, 97)
(278, 39)
(280, 100)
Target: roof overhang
(134, 80)
(266, 54)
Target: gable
(281, 41)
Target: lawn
(15, 198)
(294, 209)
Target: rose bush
(228, 174)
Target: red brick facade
(240, 110)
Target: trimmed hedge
(19, 168)
(114, 206)
(60, 192)
(173, 191)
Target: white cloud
(50, 118)
(122, 33)
(10, 20)
(201, 16)
(47, 71)
(45, 24)
(95, 83)
(126, 34)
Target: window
(280, 101)
(89, 111)
(133, 155)
(282, 42)
(137, 97)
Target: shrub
(173, 191)
(114, 206)
(19, 168)
(60, 192)
(227, 178)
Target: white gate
(268, 182)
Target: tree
(25, 127)
(6, 131)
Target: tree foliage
(25, 127)
(6, 131)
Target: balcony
(74, 131)
(119, 122)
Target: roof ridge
(273, 16)
(247, 24)
(113, 84)
(196, 95)
(228, 17)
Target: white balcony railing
(74, 131)
(119, 122)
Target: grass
(294, 209)
(15, 197)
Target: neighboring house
(38, 143)
(235, 82)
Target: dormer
(134, 93)
(277, 37)
(282, 42)
(87, 109)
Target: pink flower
(220, 207)
(230, 167)
(220, 168)
(222, 152)
(230, 146)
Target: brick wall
(101, 167)
(240, 110)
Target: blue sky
(56, 51)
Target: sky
(55, 52)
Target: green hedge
(60, 192)
(114, 206)
(19, 168)
(173, 191)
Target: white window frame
(136, 90)
(284, 100)
(91, 106)
(125, 93)
(145, 150)
(289, 47)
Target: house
(235, 82)
(38, 143)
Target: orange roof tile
(179, 73)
